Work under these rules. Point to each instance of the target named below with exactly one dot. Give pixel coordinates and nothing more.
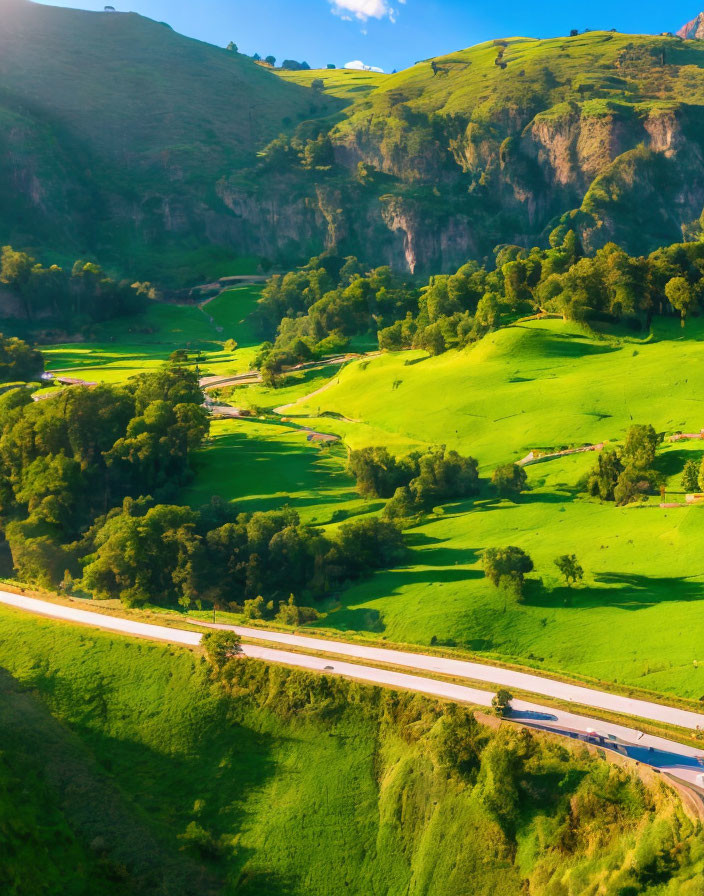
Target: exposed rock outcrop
(693, 30)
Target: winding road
(681, 762)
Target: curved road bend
(678, 760)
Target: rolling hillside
(127, 141)
(125, 769)
(116, 131)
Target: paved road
(535, 684)
(682, 762)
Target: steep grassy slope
(165, 783)
(117, 131)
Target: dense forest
(83, 294)
(89, 481)
(319, 308)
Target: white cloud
(364, 9)
(358, 66)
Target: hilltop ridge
(130, 143)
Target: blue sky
(391, 34)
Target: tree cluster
(88, 480)
(83, 293)
(260, 564)
(290, 65)
(333, 296)
(415, 483)
(507, 568)
(18, 361)
(68, 460)
(624, 475)
(313, 312)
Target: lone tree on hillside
(507, 567)
(682, 295)
(501, 702)
(271, 60)
(509, 480)
(690, 476)
(221, 646)
(570, 569)
(232, 47)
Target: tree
(507, 567)
(509, 480)
(690, 476)
(682, 296)
(232, 47)
(257, 57)
(569, 568)
(331, 65)
(402, 505)
(271, 60)
(604, 477)
(377, 472)
(501, 702)
(221, 646)
(640, 447)
(317, 84)
(18, 361)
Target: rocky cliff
(693, 30)
(499, 143)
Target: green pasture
(114, 351)
(542, 384)
(637, 618)
(264, 466)
(346, 84)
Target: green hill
(500, 142)
(148, 150)
(125, 769)
(116, 130)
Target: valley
(351, 458)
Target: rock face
(693, 30)
(499, 143)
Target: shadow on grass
(354, 619)
(672, 462)
(631, 591)
(625, 591)
(82, 769)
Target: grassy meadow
(637, 617)
(346, 84)
(115, 351)
(154, 779)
